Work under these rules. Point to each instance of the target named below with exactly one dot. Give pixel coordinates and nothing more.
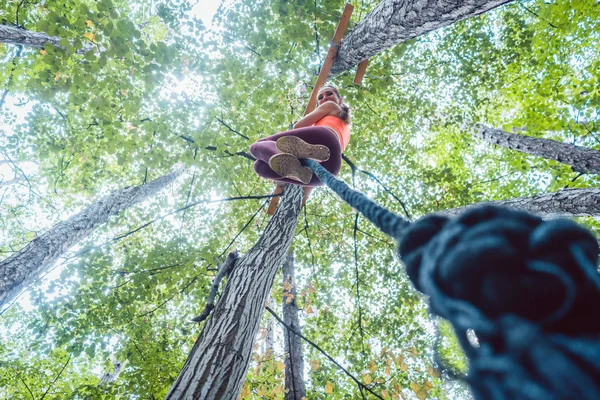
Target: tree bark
(294, 362)
(395, 21)
(23, 267)
(564, 203)
(581, 159)
(216, 367)
(11, 34)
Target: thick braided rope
(389, 223)
(529, 288)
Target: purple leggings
(265, 148)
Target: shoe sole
(301, 149)
(288, 166)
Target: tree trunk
(23, 267)
(294, 362)
(11, 34)
(581, 159)
(395, 21)
(564, 203)
(269, 349)
(216, 367)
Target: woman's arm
(325, 109)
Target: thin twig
(370, 175)
(231, 129)
(57, 376)
(359, 383)
(247, 224)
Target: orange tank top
(339, 126)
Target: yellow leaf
(314, 364)
(421, 395)
(310, 310)
(388, 370)
(329, 387)
(261, 391)
(367, 378)
(433, 372)
(372, 366)
(413, 352)
(403, 367)
(385, 394)
(399, 359)
(44, 52)
(280, 366)
(414, 387)
(89, 36)
(245, 391)
(57, 76)
(427, 385)
(89, 23)
(278, 390)
(123, 92)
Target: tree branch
(313, 344)
(231, 129)
(224, 270)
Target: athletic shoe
(301, 149)
(288, 166)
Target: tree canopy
(158, 88)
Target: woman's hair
(345, 116)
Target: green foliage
(160, 88)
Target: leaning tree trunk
(23, 267)
(11, 34)
(294, 362)
(395, 21)
(216, 367)
(564, 203)
(581, 159)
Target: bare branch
(313, 344)
(224, 270)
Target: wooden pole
(323, 74)
(360, 72)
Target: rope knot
(504, 261)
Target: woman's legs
(265, 148)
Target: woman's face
(327, 94)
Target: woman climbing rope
(321, 135)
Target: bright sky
(205, 9)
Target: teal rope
(389, 223)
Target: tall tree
(396, 21)
(21, 37)
(26, 265)
(294, 361)
(217, 364)
(581, 159)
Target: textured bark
(216, 367)
(270, 338)
(395, 21)
(564, 203)
(23, 267)
(294, 362)
(110, 377)
(581, 159)
(10, 34)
